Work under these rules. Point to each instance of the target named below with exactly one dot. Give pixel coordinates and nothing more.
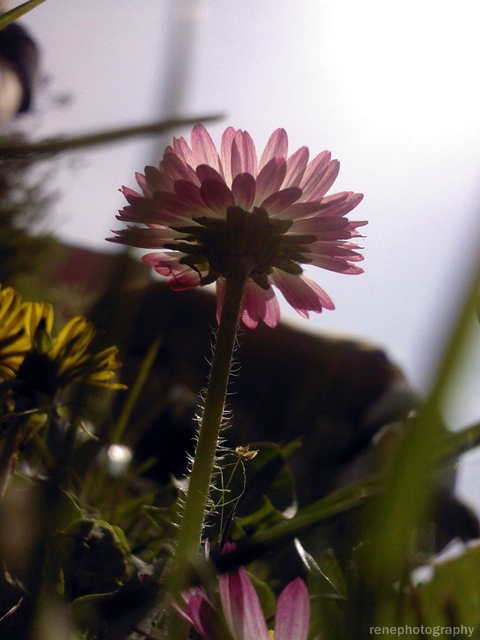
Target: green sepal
(298, 239)
(285, 264)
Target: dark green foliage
(24, 201)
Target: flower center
(249, 240)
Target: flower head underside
(213, 212)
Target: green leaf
(14, 14)
(327, 600)
(260, 520)
(94, 557)
(69, 511)
(345, 499)
(410, 479)
(319, 512)
(452, 596)
(267, 474)
(110, 616)
(165, 518)
(265, 595)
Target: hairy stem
(201, 474)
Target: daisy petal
(270, 179)
(241, 607)
(260, 303)
(340, 265)
(200, 614)
(243, 189)
(145, 238)
(345, 250)
(292, 615)
(226, 153)
(326, 181)
(314, 169)
(142, 183)
(190, 199)
(130, 194)
(247, 152)
(174, 167)
(318, 183)
(217, 196)
(296, 165)
(302, 293)
(203, 147)
(279, 201)
(204, 617)
(277, 147)
(155, 180)
(166, 264)
(204, 172)
(318, 224)
(342, 208)
(183, 151)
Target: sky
(390, 88)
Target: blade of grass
(409, 479)
(14, 14)
(455, 444)
(39, 150)
(393, 518)
(121, 424)
(319, 512)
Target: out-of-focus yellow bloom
(14, 339)
(53, 363)
(29, 352)
(76, 363)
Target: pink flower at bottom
(243, 613)
(207, 209)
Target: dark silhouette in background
(18, 69)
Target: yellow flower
(29, 352)
(76, 363)
(14, 338)
(54, 363)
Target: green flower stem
(201, 475)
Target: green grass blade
(14, 14)
(409, 479)
(122, 422)
(455, 444)
(10, 149)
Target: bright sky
(391, 89)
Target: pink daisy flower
(206, 209)
(243, 613)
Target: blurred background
(390, 88)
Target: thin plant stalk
(12, 149)
(18, 12)
(118, 429)
(202, 468)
